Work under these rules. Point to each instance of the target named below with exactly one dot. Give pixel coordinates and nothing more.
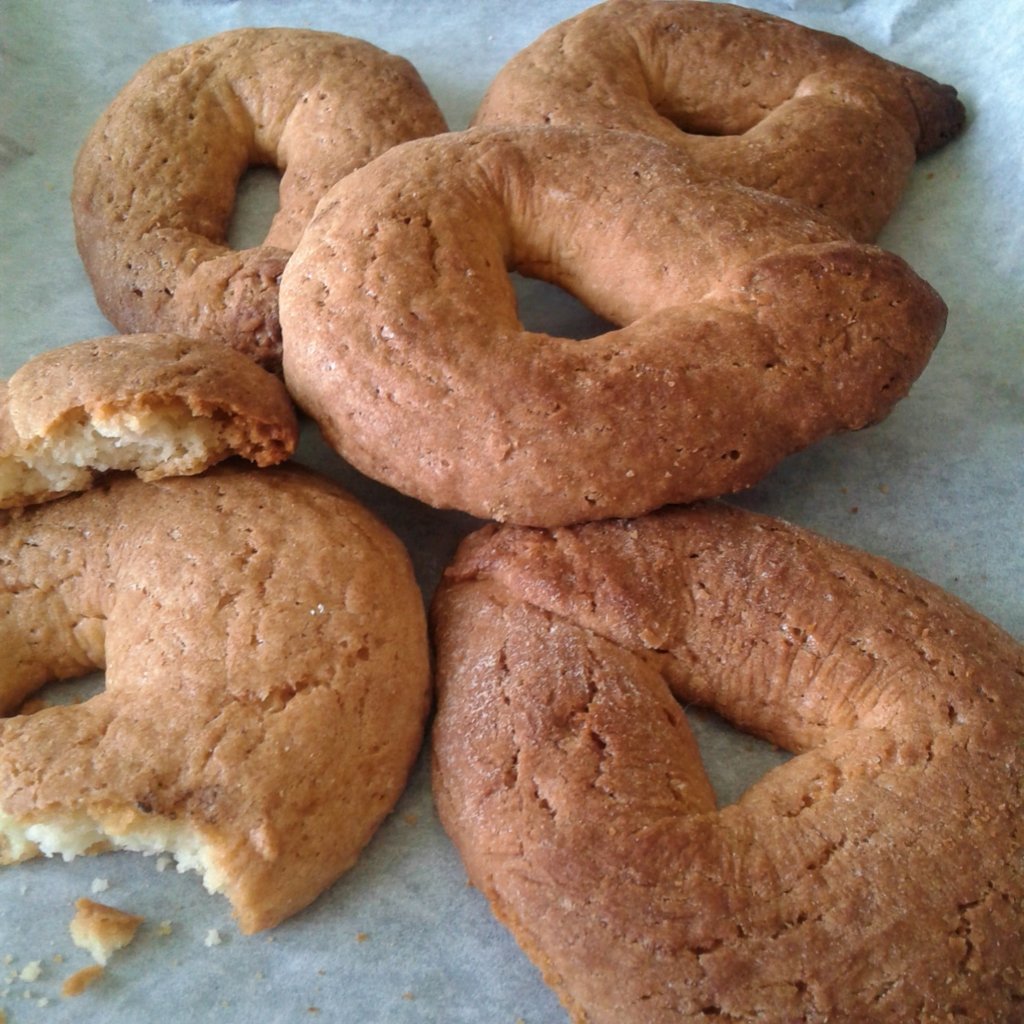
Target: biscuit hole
(734, 760)
(544, 308)
(256, 202)
(692, 126)
(61, 692)
(706, 123)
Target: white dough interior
(170, 439)
(70, 834)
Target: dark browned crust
(745, 95)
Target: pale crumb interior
(70, 834)
(169, 440)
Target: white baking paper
(937, 487)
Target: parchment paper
(938, 487)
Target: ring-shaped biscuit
(267, 679)
(875, 876)
(745, 95)
(750, 326)
(155, 180)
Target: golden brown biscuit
(875, 876)
(154, 183)
(266, 679)
(750, 326)
(743, 94)
(154, 404)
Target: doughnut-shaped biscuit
(744, 95)
(155, 404)
(267, 679)
(154, 183)
(751, 326)
(876, 876)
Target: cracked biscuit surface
(267, 679)
(745, 95)
(748, 326)
(876, 875)
(154, 183)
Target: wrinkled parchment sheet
(937, 487)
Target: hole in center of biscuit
(256, 202)
(547, 309)
(733, 760)
(65, 691)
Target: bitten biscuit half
(153, 404)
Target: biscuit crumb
(31, 971)
(99, 885)
(75, 984)
(163, 861)
(164, 928)
(408, 997)
(362, 936)
(212, 938)
(101, 930)
(411, 818)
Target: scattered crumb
(99, 885)
(884, 488)
(854, 510)
(31, 971)
(8, 959)
(100, 929)
(75, 984)
(58, 958)
(212, 938)
(43, 1001)
(411, 818)
(164, 928)
(408, 997)
(163, 861)
(362, 936)
(312, 1009)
